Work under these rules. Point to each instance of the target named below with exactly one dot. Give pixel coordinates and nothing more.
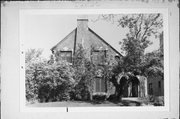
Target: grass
(124, 102)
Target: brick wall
(157, 85)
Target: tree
(33, 55)
(46, 80)
(141, 28)
(84, 75)
(55, 81)
(153, 64)
(33, 62)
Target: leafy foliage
(48, 82)
(53, 81)
(33, 55)
(153, 64)
(141, 28)
(84, 75)
(99, 97)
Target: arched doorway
(129, 86)
(135, 85)
(124, 86)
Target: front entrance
(129, 87)
(135, 84)
(124, 86)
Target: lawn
(124, 102)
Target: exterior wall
(143, 89)
(67, 44)
(157, 91)
(90, 42)
(94, 42)
(97, 44)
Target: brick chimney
(82, 30)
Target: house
(156, 83)
(96, 49)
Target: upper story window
(66, 55)
(98, 56)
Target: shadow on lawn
(130, 103)
(118, 103)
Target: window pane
(159, 84)
(97, 84)
(103, 89)
(98, 57)
(66, 55)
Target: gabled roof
(63, 39)
(104, 41)
(91, 32)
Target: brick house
(156, 83)
(96, 49)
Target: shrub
(99, 97)
(49, 82)
(80, 92)
(159, 101)
(112, 98)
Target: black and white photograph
(91, 60)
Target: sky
(45, 31)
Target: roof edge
(62, 39)
(105, 42)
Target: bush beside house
(49, 82)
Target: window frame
(66, 51)
(98, 51)
(100, 79)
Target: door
(135, 84)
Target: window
(66, 55)
(150, 89)
(159, 84)
(100, 83)
(98, 56)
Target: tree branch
(139, 26)
(148, 27)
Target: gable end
(64, 39)
(105, 42)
